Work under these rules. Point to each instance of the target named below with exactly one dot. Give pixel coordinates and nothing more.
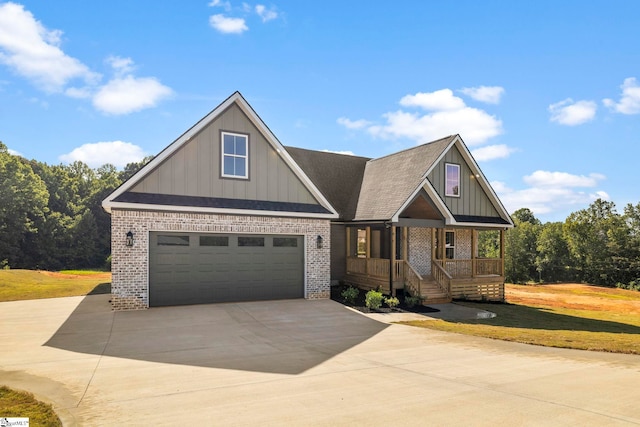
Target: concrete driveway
(296, 362)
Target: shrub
(392, 301)
(373, 299)
(350, 294)
(411, 301)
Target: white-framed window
(235, 155)
(450, 244)
(452, 180)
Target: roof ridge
(328, 152)
(413, 148)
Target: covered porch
(427, 260)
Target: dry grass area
(566, 315)
(16, 285)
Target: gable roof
(390, 181)
(122, 198)
(337, 176)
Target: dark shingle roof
(389, 181)
(337, 176)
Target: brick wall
(420, 250)
(130, 265)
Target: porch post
(434, 255)
(502, 252)
(367, 248)
(442, 243)
(348, 240)
(392, 260)
(473, 253)
(405, 243)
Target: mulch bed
(336, 295)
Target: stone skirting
(130, 265)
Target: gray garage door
(195, 268)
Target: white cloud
(491, 152)
(124, 95)
(435, 101)
(121, 66)
(353, 124)
(219, 3)
(475, 126)
(345, 152)
(562, 179)
(630, 100)
(266, 14)
(33, 51)
(572, 113)
(14, 152)
(118, 153)
(447, 115)
(488, 94)
(551, 192)
(228, 25)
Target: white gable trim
(435, 198)
(475, 169)
(239, 100)
(196, 209)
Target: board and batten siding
(194, 169)
(473, 200)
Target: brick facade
(420, 250)
(420, 247)
(130, 265)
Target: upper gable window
(235, 155)
(452, 180)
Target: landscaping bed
(360, 305)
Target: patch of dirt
(575, 296)
(105, 276)
(336, 295)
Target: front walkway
(296, 363)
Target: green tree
(521, 247)
(553, 259)
(23, 203)
(592, 235)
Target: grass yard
(17, 404)
(559, 315)
(16, 285)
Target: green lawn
(611, 323)
(17, 404)
(18, 285)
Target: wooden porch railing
(464, 268)
(441, 276)
(412, 280)
(374, 267)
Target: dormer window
(235, 155)
(452, 180)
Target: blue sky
(545, 94)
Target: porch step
(432, 293)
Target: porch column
(348, 241)
(367, 242)
(502, 252)
(367, 248)
(441, 244)
(405, 243)
(434, 255)
(473, 252)
(392, 260)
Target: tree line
(51, 216)
(596, 245)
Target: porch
(447, 278)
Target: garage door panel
(224, 268)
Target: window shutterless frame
(234, 155)
(451, 180)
